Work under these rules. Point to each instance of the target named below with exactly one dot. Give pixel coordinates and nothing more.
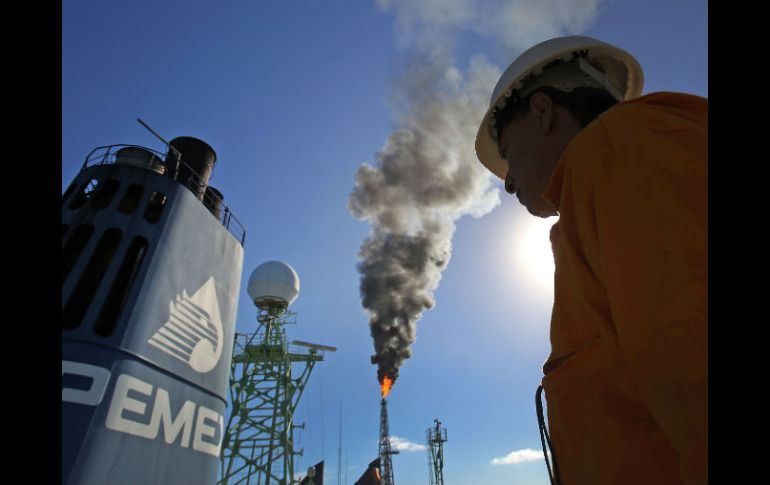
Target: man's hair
(585, 104)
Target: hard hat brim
(487, 149)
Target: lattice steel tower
(385, 449)
(258, 444)
(436, 438)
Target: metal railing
(107, 154)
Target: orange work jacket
(627, 379)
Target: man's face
(523, 145)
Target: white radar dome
(273, 283)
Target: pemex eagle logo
(193, 332)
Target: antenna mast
(436, 438)
(339, 452)
(159, 137)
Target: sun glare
(533, 258)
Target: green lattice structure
(258, 445)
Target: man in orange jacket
(627, 378)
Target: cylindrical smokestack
(213, 201)
(139, 157)
(197, 162)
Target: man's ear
(542, 108)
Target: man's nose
(510, 185)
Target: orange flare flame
(387, 383)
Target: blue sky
(294, 96)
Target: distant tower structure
(258, 444)
(436, 439)
(385, 449)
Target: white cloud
(402, 444)
(520, 456)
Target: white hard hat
(600, 65)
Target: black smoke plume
(427, 177)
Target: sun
(532, 255)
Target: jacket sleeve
(650, 212)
